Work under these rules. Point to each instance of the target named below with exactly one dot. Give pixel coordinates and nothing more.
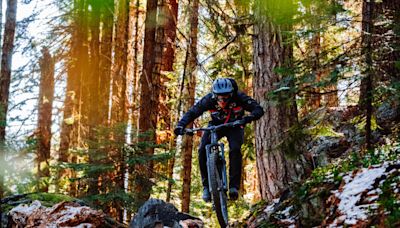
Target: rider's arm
(251, 105)
(199, 108)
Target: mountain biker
(225, 104)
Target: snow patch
(270, 208)
(352, 192)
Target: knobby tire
(218, 193)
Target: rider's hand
(179, 130)
(248, 119)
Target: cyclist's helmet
(222, 86)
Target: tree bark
(313, 100)
(167, 65)
(94, 95)
(366, 97)
(1, 26)
(137, 38)
(71, 127)
(168, 17)
(5, 80)
(46, 97)
(279, 161)
(171, 14)
(119, 108)
(148, 102)
(107, 20)
(190, 72)
(135, 15)
(386, 41)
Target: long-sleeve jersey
(235, 109)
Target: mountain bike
(216, 167)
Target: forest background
(90, 90)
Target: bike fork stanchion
(208, 149)
(208, 169)
(224, 177)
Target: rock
(64, 214)
(386, 114)
(41, 208)
(326, 147)
(157, 213)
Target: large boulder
(64, 214)
(387, 115)
(157, 213)
(324, 148)
(51, 210)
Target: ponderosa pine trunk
(45, 104)
(190, 75)
(119, 109)
(136, 14)
(148, 103)
(168, 61)
(133, 65)
(5, 80)
(279, 161)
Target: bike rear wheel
(218, 192)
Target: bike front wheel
(218, 192)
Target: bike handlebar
(216, 127)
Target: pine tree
(148, 102)
(274, 143)
(45, 105)
(77, 70)
(190, 75)
(119, 109)
(5, 77)
(167, 66)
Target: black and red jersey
(235, 109)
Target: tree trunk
(170, 35)
(107, 20)
(46, 95)
(279, 161)
(5, 79)
(119, 108)
(1, 26)
(313, 99)
(366, 97)
(387, 40)
(167, 16)
(148, 102)
(77, 71)
(167, 65)
(190, 74)
(136, 44)
(135, 15)
(94, 96)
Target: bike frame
(215, 147)
(215, 154)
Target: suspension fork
(209, 148)
(224, 178)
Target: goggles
(223, 98)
